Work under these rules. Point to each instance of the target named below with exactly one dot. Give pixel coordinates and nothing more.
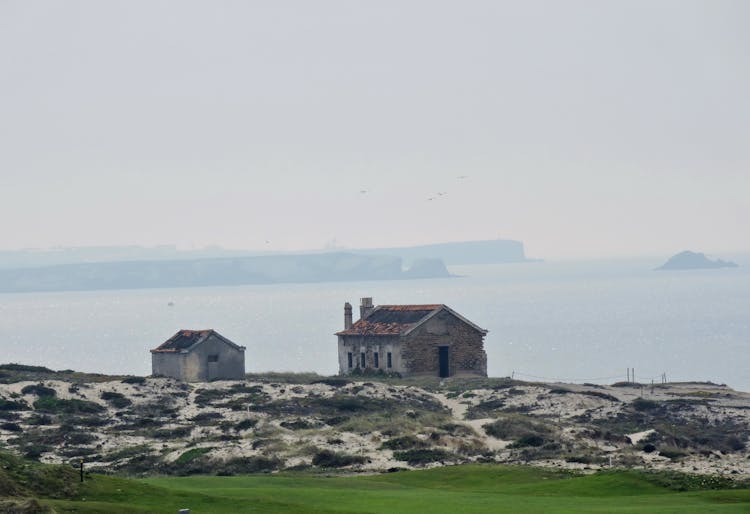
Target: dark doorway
(213, 367)
(444, 361)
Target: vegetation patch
(486, 409)
(406, 442)
(11, 405)
(513, 426)
(330, 459)
(39, 390)
(245, 424)
(55, 405)
(424, 456)
(116, 400)
(127, 453)
(245, 465)
(299, 424)
(334, 381)
(172, 433)
(207, 418)
(134, 380)
(191, 455)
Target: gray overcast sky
(584, 128)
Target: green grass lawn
(458, 489)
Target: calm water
(576, 321)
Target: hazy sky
(584, 128)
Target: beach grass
(466, 489)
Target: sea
(567, 321)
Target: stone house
(414, 340)
(199, 356)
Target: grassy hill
(469, 489)
(28, 487)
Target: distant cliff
(694, 260)
(467, 252)
(328, 267)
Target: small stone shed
(199, 356)
(413, 340)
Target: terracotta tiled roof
(389, 320)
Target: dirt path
(458, 411)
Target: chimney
(365, 307)
(347, 316)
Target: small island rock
(694, 260)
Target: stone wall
(370, 345)
(167, 365)
(466, 347)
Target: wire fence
(629, 376)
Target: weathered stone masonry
(413, 336)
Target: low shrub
(423, 456)
(10, 405)
(672, 453)
(457, 429)
(534, 440)
(599, 394)
(406, 442)
(39, 390)
(80, 438)
(641, 404)
(329, 459)
(244, 465)
(334, 381)
(245, 424)
(11, 427)
(9, 415)
(24, 367)
(86, 421)
(34, 451)
(298, 424)
(191, 455)
(244, 388)
(512, 426)
(116, 400)
(134, 380)
(127, 453)
(172, 433)
(585, 459)
(54, 405)
(207, 418)
(485, 409)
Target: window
(376, 360)
(349, 359)
(389, 362)
(213, 358)
(362, 360)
